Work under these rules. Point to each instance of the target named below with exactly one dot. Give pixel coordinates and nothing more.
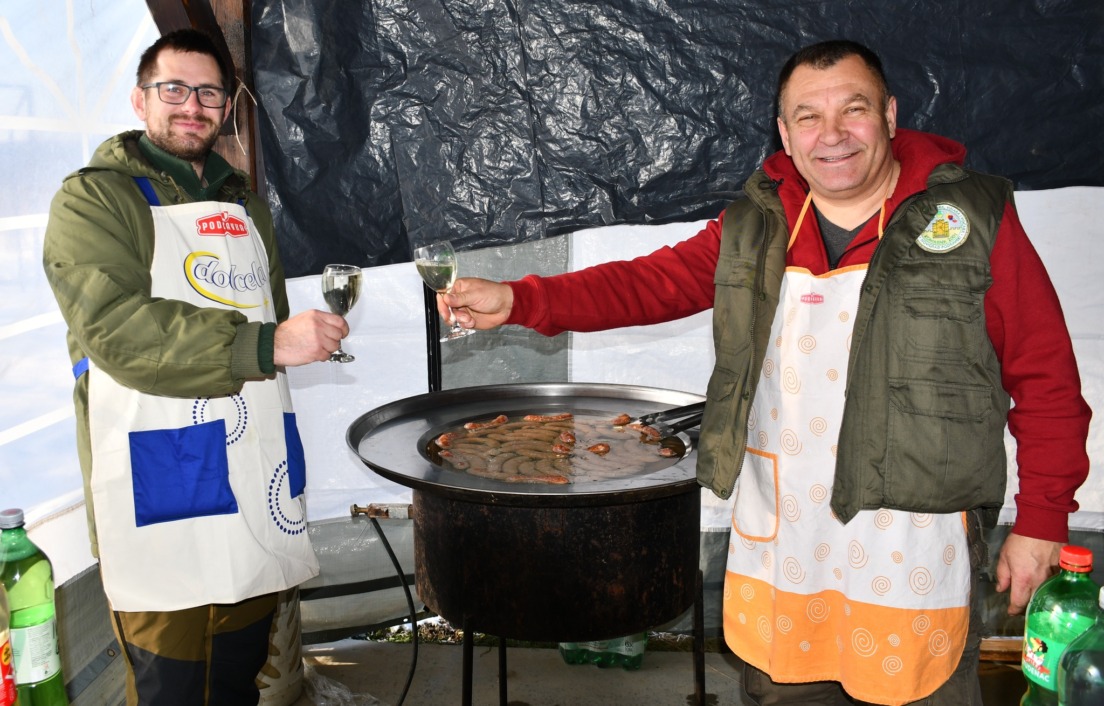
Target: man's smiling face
(836, 125)
(188, 130)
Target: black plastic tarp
(390, 123)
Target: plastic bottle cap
(1074, 558)
(11, 518)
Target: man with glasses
(165, 268)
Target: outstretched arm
(476, 303)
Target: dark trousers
(204, 656)
(961, 689)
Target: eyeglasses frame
(191, 90)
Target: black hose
(409, 603)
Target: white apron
(199, 501)
(880, 604)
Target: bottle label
(1042, 651)
(630, 646)
(7, 673)
(35, 652)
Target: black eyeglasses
(177, 93)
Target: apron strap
(147, 190)
(81, 367)
(151, 196)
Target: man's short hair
(184, 40)
(827, 54)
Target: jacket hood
(918, 152)
(119, 154)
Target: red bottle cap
(1074, 558)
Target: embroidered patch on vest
(948, 229)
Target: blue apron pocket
(297, 462)
(180, 473)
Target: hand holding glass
(436, 264)
(340, 289)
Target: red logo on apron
(222, 224)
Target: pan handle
(687, 423)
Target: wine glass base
(341, 357)
(457, 332)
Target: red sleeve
(1049, 418)
(668, 284)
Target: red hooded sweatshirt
(1049, 418)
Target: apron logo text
(813, 298)
(222, 224)
(204, 269)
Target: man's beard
(185, 147)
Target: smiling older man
(876, 308)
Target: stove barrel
(560, 574)
(592, 559)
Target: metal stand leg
(502, 671)
(699, 643)
(466, 698)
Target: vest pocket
(940, 326)
(180, 473)
(936, 460)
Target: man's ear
(138, 102)
(785, 135)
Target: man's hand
(308, 337)
(476, 303)
(1024, 564)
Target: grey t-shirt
(836, 239)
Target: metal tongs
(688, 417)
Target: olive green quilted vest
(923, 422)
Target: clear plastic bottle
(1081, 669)
(1063, 607)
(28, 577)
(7, 674)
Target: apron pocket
(180, 473)
(755, 512)
(296, 458)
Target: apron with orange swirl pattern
(880, 604)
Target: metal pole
(433, 340)
(699, 642)
(466, 697)
(502, 671)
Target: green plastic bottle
(574, 652)
(1081, 669)
(7, 675)
(28, 577)
(625, 652)
(1063, 607)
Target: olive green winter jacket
(97, 255)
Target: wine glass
(436, 264)
(340, 289)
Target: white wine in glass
(341, 289)
(436, 264)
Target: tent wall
(392, 123)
